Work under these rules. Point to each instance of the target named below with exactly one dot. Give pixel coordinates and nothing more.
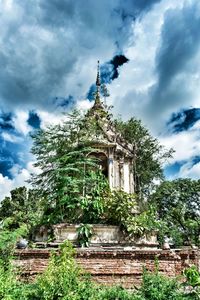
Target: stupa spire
(98, 85)
(98, 82)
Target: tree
(70, 178)
(178, 206)
(24, 207)
(19, 215)
(149, 154)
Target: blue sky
(149, 53)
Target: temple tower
(115, 155)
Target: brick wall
(113, 266)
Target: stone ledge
(113, 252)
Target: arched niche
(102, 161)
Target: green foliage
(159, 287)
(118, 293)
(192, 276)
(8, 283)
(120, 207)
(22, 209)
(92, 203)
(8, 241)
(123, 210)
(85, 232)
(143, 223)
(178, 206)
(149, 155)
(60, 279)
(70, 178)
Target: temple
(115, 155)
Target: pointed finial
(98, 83)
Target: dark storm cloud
(93, 13)
(137, 6)
(180, 42)
(184, 120)
(45, 42)
(108, 72)
(6, 121)
(9, 156)
(65, 102)
(34, 120)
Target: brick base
(113, 266)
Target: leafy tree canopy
(71, 187)
(70, 177)
(149, 154)
(24, 207)
(178, 206)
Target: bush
(159, 287)
(8, 241)
(118, 293)
(63, 279)
(192, 276)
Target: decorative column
(131, 176)
(126, 177)
(121, 173)
(110, 170)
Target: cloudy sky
(149, 51)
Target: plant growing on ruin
(144, 223)
(70, 178)
(85, 232)
(192, 276)
(123, 209)
(120, 206)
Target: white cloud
(11, 137)
(190, 170)
(50, 118)
(186, 144)
(21, 175)
(187, 148)
(133, 92)
(56, 46)
(20, 122)
(84, 104)
(7, 184)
